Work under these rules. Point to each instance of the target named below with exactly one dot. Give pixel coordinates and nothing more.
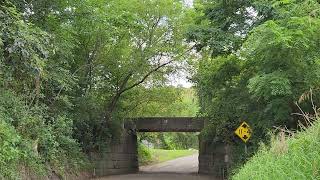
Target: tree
(261, 82)
(34, 139)
(148, 38)
(102, 50)
(223, 25)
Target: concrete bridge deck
(166, 124)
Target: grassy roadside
(295, 157)
(161, 155)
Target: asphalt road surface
(187, 164)
(184, 168)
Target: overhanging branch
(146, 76)
(151, 72)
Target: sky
(188, 2)
(180, 78)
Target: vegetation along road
(74, 72)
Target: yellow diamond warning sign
(244, 132)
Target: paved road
(187, 164)
(157, 176)
(184, 168)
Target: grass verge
(154, 156)
(161, 155)
(295, 157)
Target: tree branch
(145, 77)
(151, 72)
(122, 89)
(115, 98)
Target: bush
(32, 141)
(297, 157)
(9, 151)
(144, 154)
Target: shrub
(9, 150)
(144, 154)
(296, 157)
(32, 141)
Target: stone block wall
(121, 157)
(214, 159)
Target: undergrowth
(33, 144)
(290, 156)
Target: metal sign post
(245, 148)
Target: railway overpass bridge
(165, 124)
(122, 156)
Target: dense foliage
(171, 102)
(31, 136)
(262, 78)
(71, 71)
(222, 26)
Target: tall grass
(288, 158)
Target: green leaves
(271, 85)
(24, 49)
(223, 25)
(260, 81)
(10, 154)
(27, 138)
(58, 57)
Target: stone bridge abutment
(121, 157)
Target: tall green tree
(262, 81)
(101, 50)
(223, 25)
(73, 65)
(33, 139)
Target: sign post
(244, 133)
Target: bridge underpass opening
(184, 132)
(168, 152)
